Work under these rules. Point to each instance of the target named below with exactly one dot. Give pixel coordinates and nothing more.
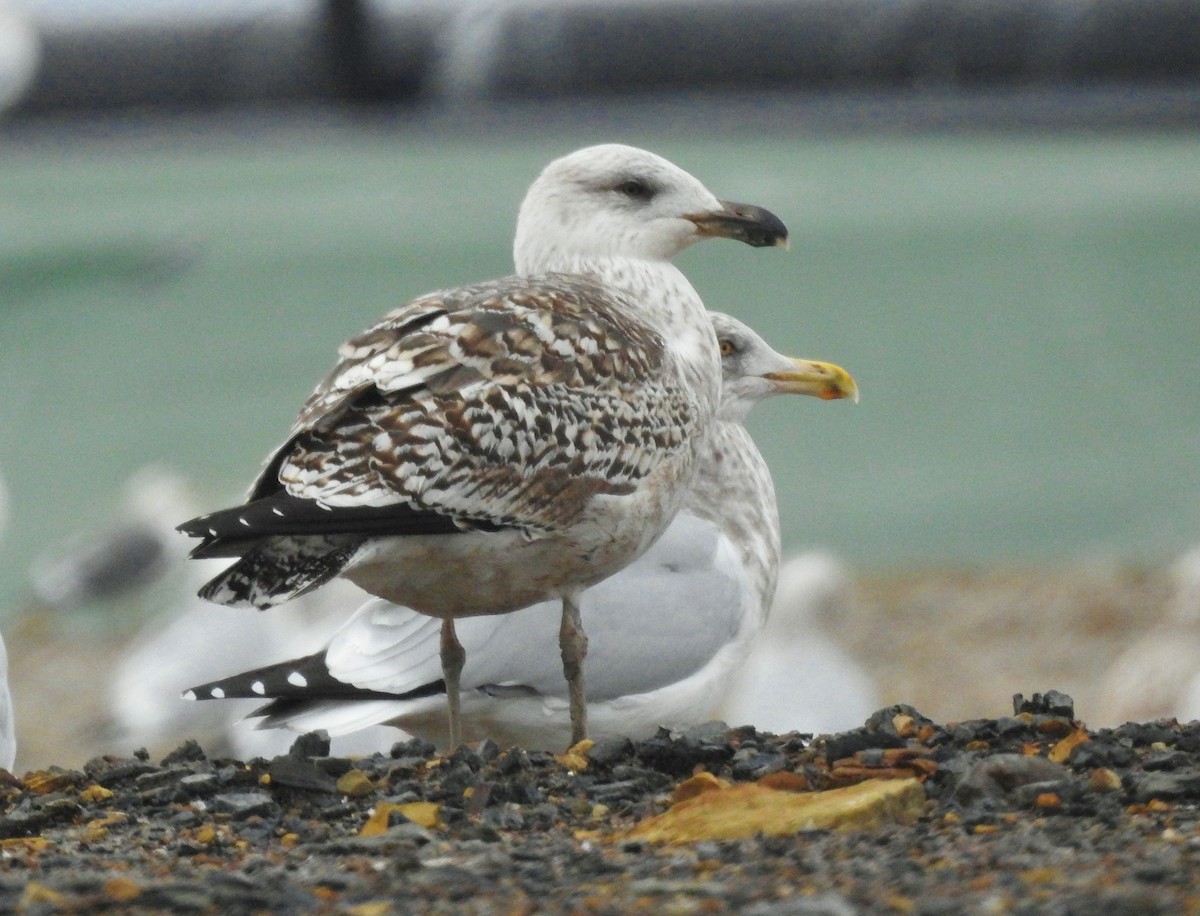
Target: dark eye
(635, 189)
(727, 348)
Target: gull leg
(572, 641)
(453, 657)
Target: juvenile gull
(666, 634)
(486, 447)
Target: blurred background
(995, 217)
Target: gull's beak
(820, 380)
(747, 223)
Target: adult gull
(667, 634)
(486, 447)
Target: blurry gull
(8, 730)
(490, 446)
(128, 568)
(8, 726)
(797, 678)
(1157, 676)
(112, 561)
(20, 53)
(177, 647)
(666, 634)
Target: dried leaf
(785, 782)
(27, 844)
(39, 893)
(94, 794)
(43, 782)
(1061, 752)
(424, 813)
(372, 908)
(1104, 780)
(700, 783)
(742, 811)
(355, 784)
(575, 757)
(122, 889)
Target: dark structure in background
(392, 51)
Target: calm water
(1020, 311)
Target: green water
(1020, 311)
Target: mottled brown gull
(486, 447)
(667, 634)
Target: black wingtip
(305, 678)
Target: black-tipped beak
(757, 227)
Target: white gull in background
(20, 52)
(486, 447)
(797, 678)
(116, 560)
(1158, 675)
(131, 571)
(8, 728)
(171, 651)
(8, 723)
(138, 563)
(666, 634)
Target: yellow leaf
(355, 784)
(122, 889)
(575, 757)
(39, 893)
(371, 908)
(1040, 875)
(423, 813)
(95, 794)
(43, 782)
(743, 811)
(1061, 752)
(30, 844)
(699, 784)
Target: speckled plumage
(457, 421)
(504, 405)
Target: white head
(751, 371)
(615, 201)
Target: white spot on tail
(258, 688)
(217, 693)
(296, 679)
(189, 694)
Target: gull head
(751, 371)
(615, 201)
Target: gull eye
(727, 348)
(635, 189)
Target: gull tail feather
(281, 568)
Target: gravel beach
(969, 805)
(1024, 812)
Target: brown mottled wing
(508, 403)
